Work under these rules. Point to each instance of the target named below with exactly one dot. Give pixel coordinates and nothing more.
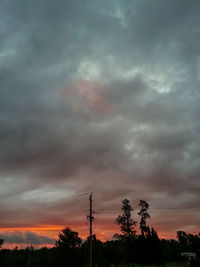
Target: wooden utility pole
(91, 218)
(29, 256)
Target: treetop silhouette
(127, 224)
(144, 215)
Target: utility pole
(29, 256)
(91, 219)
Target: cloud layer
(99, 96)
(26, 238)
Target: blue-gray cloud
(28, 238)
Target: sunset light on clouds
(103, 97)
(87, 97)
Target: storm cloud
(99, 96)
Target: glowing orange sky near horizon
(52, 231)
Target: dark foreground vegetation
(147, 251)
(126, 250)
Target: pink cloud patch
(87, 97)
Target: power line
(40, 210)
(106, 211)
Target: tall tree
(68, 252)
(127, 224)
(68, 239)
(144, 215)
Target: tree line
(128, 247)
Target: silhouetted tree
(127, 224)
(170, 250)
(97, 250)
(183, 239)
(144, 215)
(68, 249)
(189, 243)
(68, 239)
(145, 250)
(1, 242)
(153, 246)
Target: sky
(103, 97)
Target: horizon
(38, 235)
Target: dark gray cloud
(28, 237)
(98, 96)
